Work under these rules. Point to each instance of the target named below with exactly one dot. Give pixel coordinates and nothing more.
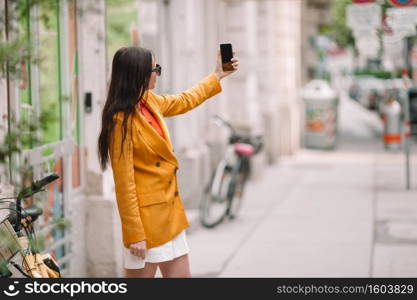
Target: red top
(150, 117)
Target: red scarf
(150, 117)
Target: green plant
(381, 74)
(59, 224)
(15, 46)
(15, 41)
(29, 131)
(21, 135)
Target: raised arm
(171, 105)
(123, 175)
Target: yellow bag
(41, 266)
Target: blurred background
(331, 85)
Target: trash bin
(321, 103)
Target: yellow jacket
(147, 194)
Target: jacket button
(176, 193)
(158, 164)
(170, 181)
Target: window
(121, 26)
(47, 98)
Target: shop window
(121, 26)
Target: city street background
(330, 85)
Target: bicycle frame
(229, 160)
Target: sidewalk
(342, 213)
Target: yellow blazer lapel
(160, 145)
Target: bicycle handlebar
(256, 141)
(36, 186)
(224, 122)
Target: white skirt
(174, 248)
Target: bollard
(391, 116)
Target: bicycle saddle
(244, 149)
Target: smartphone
(227, 54)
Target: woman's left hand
(219, 69)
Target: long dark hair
(131, 72)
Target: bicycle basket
(9, 242)
(41, 266)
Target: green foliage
(120, 16)
(17, 48)
(20, 136)
(11, 54)
(381, 74)
(30, 131)
(340, 32)
(24, 134)
(23, 7)
(118, 3)
(58, 224)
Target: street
(342, 213)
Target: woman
(135, 140)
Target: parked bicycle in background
(223, 194)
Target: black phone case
(227, 54)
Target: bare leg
(148, 271)
(178, 267)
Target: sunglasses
(158, 70)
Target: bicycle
(223, 194)
(17, 235)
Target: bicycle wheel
(214, 203)
(236, 191)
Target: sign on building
(366, 15)
(362, 1)
(365, 19)
(403, 3)
(402, 21)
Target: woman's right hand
(219, 69)
(138, 249)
